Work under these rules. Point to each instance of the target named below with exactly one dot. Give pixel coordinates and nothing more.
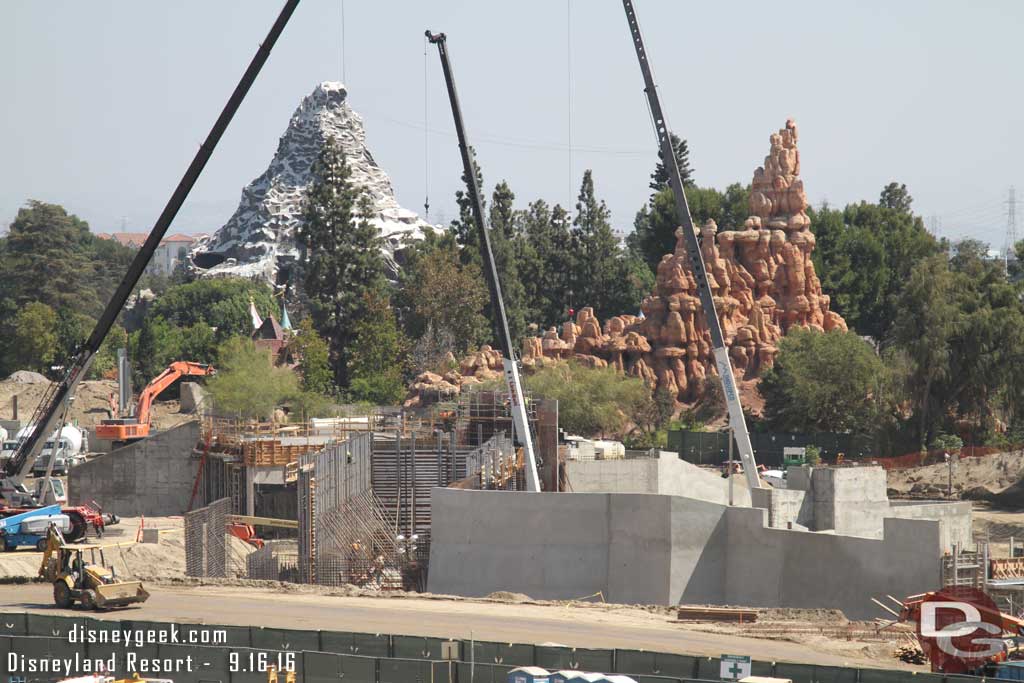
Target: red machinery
(137, 426)
(246, 532)
(81, 517)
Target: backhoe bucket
(120, 594)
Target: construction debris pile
(764, 284)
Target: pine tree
(313, 354)
(659, 179)
(464, 227)
(379, 354)
(547, 265)
(503, 231)
(598, 277)
(341, 255)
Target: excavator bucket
(120, 594)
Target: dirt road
(576, 626)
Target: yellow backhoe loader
(94, 585)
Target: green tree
(446, 296)
(864, 255)
(158, 343)
(659, 179)
(655, 225)
(502, 233)
(220, 303)
(378, 359)
(546, 262)
(313, 355)
(895, 196)
(928, 317)
(602, 275)
(247, 383)
(341, 256)
(73, 328)
(34, 340)
(592, 401)
(824, 383)
(464, 227)
(51, 257)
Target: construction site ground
(92, 399)
(822, 636)
(577, 624)
(995, 473)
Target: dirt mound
(1012, 497)
(977, 493)
(27, 377)
(92, 401)
(507, 596)
(828, 616)
(994, 472)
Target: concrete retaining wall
(954, 519)
(151, 477)
(666, 474)
(655, 549)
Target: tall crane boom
(511, 366)
(721, 352)
(60, 394)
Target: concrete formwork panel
(150, 477)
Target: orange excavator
(136, 427)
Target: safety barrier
(322, 656)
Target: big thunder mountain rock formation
(259, 239)
(764, 285)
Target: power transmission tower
(1011, 228)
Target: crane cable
(568, 59)
(344, 78)
(426, 139)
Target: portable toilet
(573, 676)
(529, 674)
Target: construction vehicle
(93, 585)
(79, 520)
(737, 422)
(29, 527)
(58, 398)
(520, 423)
(136, 426)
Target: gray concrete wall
(775, 567)
(955, 519)
(666, 474)
(546, 545)
(637, 548)
(849, 500)
(786, 508)
(699, 552)
(151, 477)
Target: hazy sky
(105, 103)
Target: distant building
(172, 249)
(269, 335)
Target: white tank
(73, 435)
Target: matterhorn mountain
(259, 239)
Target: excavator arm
(173, 373)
